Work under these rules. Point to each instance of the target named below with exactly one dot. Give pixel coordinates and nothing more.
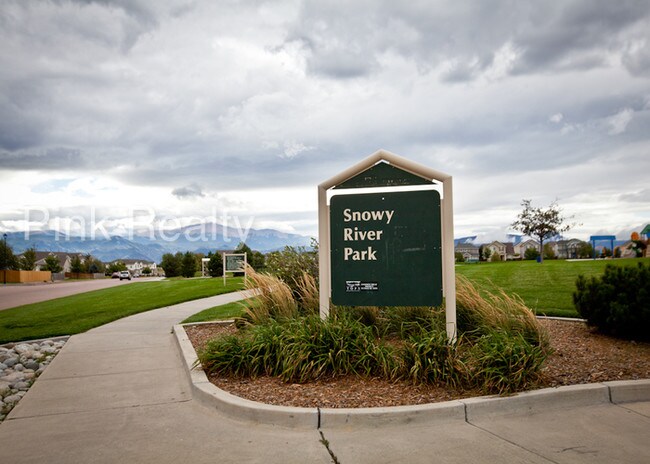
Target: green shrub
(618, 302)
(502, 362)
(290, 264)
(531, 254)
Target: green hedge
(618, 302)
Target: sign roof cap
(415, 171)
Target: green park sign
(386, 237)
(386, 249)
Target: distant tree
(257, 260)
(76, 266)
(95, 266)
(172, 264)
(28, 260)
(496, 257)
(531, 254)
(549, 252)
(605, 253)
(188, 264)
(7, 258)
(52, 264)
(115, 266)
(584, 250)
(290, 264)
(215, 265)
(459, 257)
(146, 271)
(254, 258)
(540, 223)
(484, 253)
(86, 262)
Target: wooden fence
(21, 277)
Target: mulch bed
(580, 356)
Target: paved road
(17, 295)
(118, 393)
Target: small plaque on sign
(354, 286)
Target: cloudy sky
(184, 109)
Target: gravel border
(21, 363)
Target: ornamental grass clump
(274, 299)
(307, 290)
(429, 357)
(301, 350)
(500, 346)
(480, 312)
(502, 362)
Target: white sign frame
(204, 262)
(226, 270)
(447, 226)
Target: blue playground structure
(600, 238)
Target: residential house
(136, 266)
(469, 251)
(566, 249)
(505, 250)
(521, 247)
(65, 259)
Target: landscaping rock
(4, 388)
(22, 348)
(20, 366)
(12, 377)
(33, 365)
(12, 399)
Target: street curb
(532, 402)
(209, 395)
(629, 391)
(463, 410)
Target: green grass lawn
(227, 311)
(546, 288)
(78, 313)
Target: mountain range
(151, 246)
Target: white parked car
(125, 275)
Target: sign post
(391, 243)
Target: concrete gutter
(464, 410)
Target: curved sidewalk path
(119, 393)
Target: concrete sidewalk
(119, 393)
